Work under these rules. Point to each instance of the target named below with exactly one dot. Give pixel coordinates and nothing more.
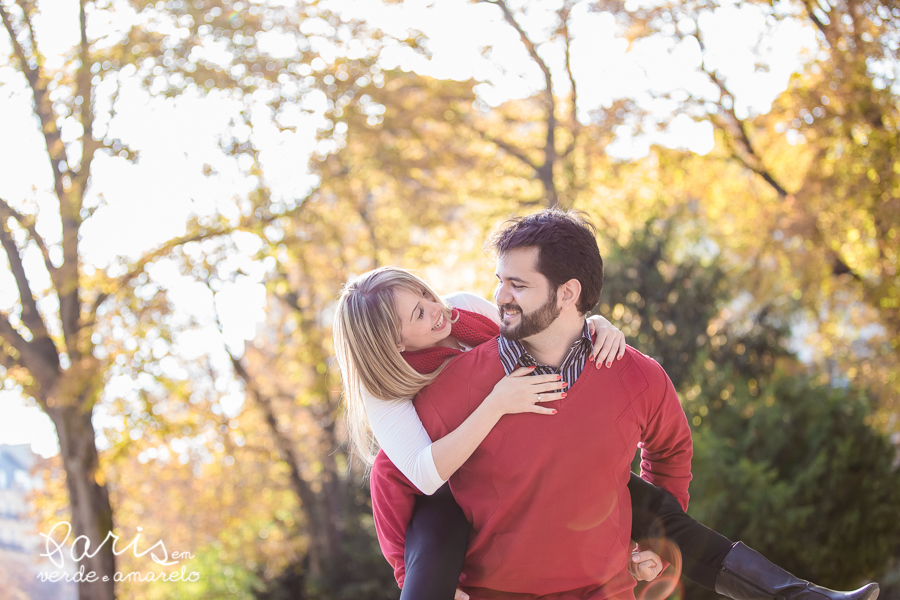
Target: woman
(387, 320)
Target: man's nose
(502, 295)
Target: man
(548, 499)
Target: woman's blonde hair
(366, 340)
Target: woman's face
(422, 321)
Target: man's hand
(460, 595)
(645, 566)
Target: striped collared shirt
(514, 355)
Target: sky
(142, 205)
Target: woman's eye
(421, 313)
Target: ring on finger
(539, 397)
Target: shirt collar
(513, 354)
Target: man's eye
(517, 287)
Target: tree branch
(755, 168)
(31, 317)
(66, 279)
(43, 109)
(768, 178)
(567, 39)
(38, 358)
(31, 37)
(507, 147)
(529, 45)
(743, 135)
(13, 37)
(70, 203)
(292, 300)
(29, 225)
(545, 171)
(83, 78)
(285, 447)
(11, 336)
(816, 21)
(144, 261)
(838, 265)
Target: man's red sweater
(547, 496)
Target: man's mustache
(501, 308)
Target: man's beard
(533, 323)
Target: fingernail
(554, 412)
(609, 364)
(563, 395)
(558, 377)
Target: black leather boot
(747, 575)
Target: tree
(676, 302)
(807, 190)
(373, 200)
(826, 152)
(548, 165)
(784, 459)
(801, 496)
(48, 347)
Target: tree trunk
(89, 500)
(545, 174)
(333, 502)
(326, 557)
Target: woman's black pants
(438, 534)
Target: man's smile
(508, 312)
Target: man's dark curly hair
(567, 244)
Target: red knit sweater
(547, 496)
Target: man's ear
(569, 293)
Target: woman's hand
(609, 343)
(519, 392)
(645, 566)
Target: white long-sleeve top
(397, 427)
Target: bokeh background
(187, 183)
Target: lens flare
(668, 584)
(663, 587)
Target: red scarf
(469, 328)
